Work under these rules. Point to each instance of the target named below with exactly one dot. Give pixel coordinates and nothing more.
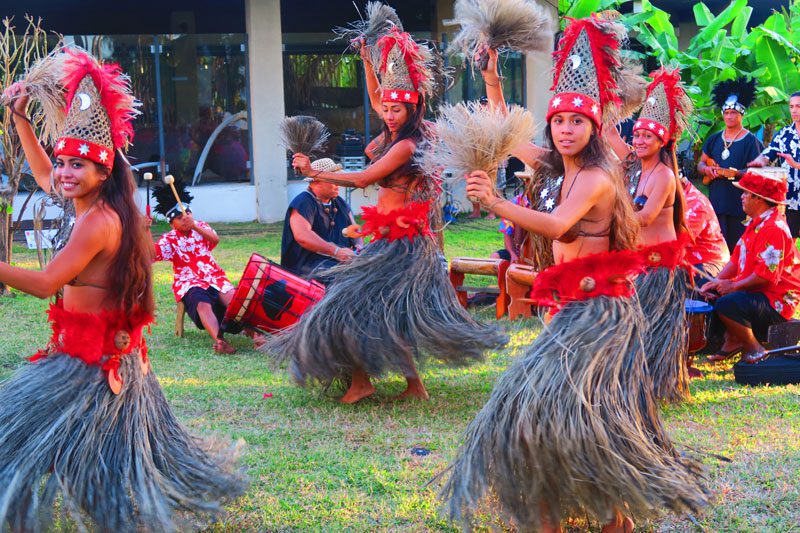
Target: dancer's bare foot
(223, 346)
(357, 392)
(621, 524)
(259, 340)
(414, 390)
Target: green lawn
(317, 465)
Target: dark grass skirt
(571, 429)
(662, 293)
(122, 463)
(390, 305)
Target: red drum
(269, 298)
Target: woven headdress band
(99, 109)
(584, 80)
(404, 68)
(667, 106)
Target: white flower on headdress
(103, 156)
(638, 123)
(577, 102)
(772, 257)
(595, 109)
(84, 149)
(61, 144)
(549, 203)
(393, 95)
(407, 96)
(652, 125)
(556, 101)
(661, 131)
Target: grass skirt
(662, 293)
(571, 429)
(122, 462)
(389, 305)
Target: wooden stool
(519, 279)
(181, 313)
(460, 266)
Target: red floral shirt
(192, 262)
(767, 249)
(709, 245)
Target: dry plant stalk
(474, 137)
(18, 52)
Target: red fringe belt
(603, 274)
(99, 339)
(410, 221)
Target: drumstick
(702, 274)
(170, 180)
(148, 177)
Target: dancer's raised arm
(41, 166)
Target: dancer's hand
(344, 254)
(489, 73)
(302, 163)
(481, 188)
(364, 51)
(17, 94)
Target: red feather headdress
(667, 106)
(587, 64)
(99, 109)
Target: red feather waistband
(669, 254)
(410, 221)
(603, 274)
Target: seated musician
(707, 251)
(312, 230)
(199, 281)
(760, 286)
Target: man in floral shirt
(785, 150)
(708, 250)
(198, 280)
(760, 286)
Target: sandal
(723, 355)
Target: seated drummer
(760, 286)
(198, 280)
(312, 230)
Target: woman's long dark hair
(130, 278)
(624, 230)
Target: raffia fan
(520, 25)
(474, 137)
(303, 134)
(380, 20)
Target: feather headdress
(588, 71)
(303, 134)
(735, 94)
(405, 68)
(520, 25)
(380, 20)
(667, 106)
(474, 137)
(165, 199)
(100, 109)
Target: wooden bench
(519, 279)
(460, 266)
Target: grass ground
(316, 465)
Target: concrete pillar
(265, 62)
(538, 75)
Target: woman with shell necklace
(654, 184)
(392, 304)
(571, 428)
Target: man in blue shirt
(312, 230)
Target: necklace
(726, 153)
(327, 208)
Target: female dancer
(653, 181)
(87, 420)
(571, 428)
(392, 303)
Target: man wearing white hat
(312, 230)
